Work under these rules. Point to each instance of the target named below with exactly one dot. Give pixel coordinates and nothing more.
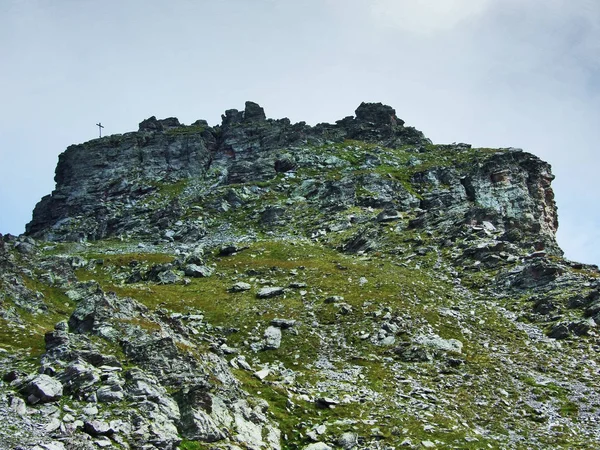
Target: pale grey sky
(494, 73)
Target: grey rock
(269, 292)
(326, 402)
(348, 440)
(108, 394)
(559, 331)
(18, 406)
(240, 287)
(80, 377)
(388, 216)
(262, 374)
(42, 389)
(97, 428)
(168, 277)
(90, 410)
(230, 250)
(25, 248)
(195, 423)
(437, 343)
(254, 112)
(581, 327)
(195, 271)
(283, 323)
(53, 425)
(54, 445)
(318, 446)
(388, 340)
(272, 338)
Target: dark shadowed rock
(378, 114)
(151, 124)
(254, 112)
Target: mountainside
(264, 285)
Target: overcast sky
(494, 73)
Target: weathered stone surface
(254, 113)
(97, 428)
(108, 394)
(17, 405)
(168, 277)
(195, 423)
(269, 292)
(42, 389)
(240, 287)
(283, 323)
(128, 166)
(318, 446)
(195, 271)
(272, 338)
(348, 440)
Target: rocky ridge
(261, 284)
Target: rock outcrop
(264, 285)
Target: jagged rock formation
(261, 284)
(100, 184)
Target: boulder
(253, 112)
(168, 277)
(283, 323)
(229, 250)
(377, 114)
(150, 124)
(42, 389)
(97, 428)
(272, 338)
(269, 292)
(318, 446)
(240, 287)
(109, 394)
(559, 331)
(195, 271)
(437, 343)
(348, 440)
(334, 299)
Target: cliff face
(267, 285)
(119, 184)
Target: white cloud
(426, 17)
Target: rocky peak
(378, 114)
(254, 112)
(115, 185)
(152, 124)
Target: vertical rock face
(115, 171)
(510, 190)
(143, 182)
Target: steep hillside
(264, 285)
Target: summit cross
(100, 126)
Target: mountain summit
(261, 284)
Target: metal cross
(100, 126)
